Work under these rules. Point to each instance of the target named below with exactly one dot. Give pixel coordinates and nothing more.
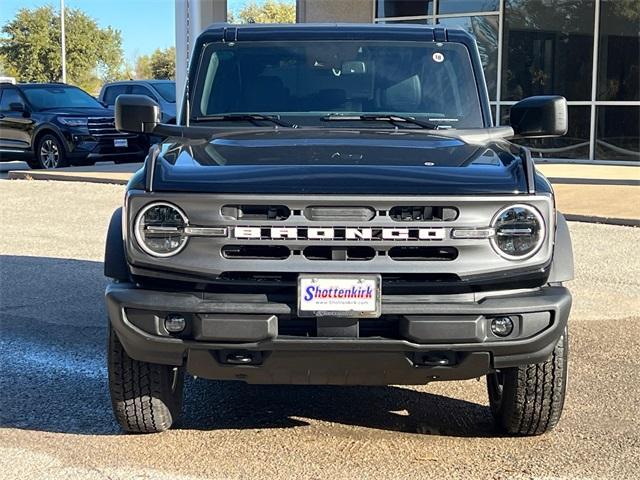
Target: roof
(335, 31)
(132, 82)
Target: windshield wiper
(254, 118)
(382, 117)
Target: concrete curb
(593, 181)
(624, 222)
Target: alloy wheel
(49, 154)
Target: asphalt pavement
(56, 421)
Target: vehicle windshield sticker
(438, 57)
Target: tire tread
(142, 397)
(533, 395)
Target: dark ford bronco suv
(335, 207)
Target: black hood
(81, 112)
(338, 161)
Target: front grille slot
(256, 252)
(103, 127)
(339, 214)
(256, 212)
(329, 253)
(412, 254)
(421, 213)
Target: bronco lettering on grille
(333, 233)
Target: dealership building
(586, 50)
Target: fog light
(502, 326)
(175, 323)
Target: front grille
(271, 236)
(103, 127)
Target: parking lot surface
(55, 415)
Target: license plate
(339, 296)
(120, 142)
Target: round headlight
(159, 229)
(519, 232)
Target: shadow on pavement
(53, 329)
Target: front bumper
(86, 147)
(420, 338)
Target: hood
(81, 112)
(337, 161)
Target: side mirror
(136, 114)
(540, 116)
(17, 107)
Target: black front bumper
(443, 337)
(87, 148)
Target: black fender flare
(562, 269)
(115, 257)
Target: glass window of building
(548, 48)
(468, 6)
(404, 8)
(619, 50)
(485, 31)
(617, 133)
(419, 21)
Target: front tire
(146, 397)
(50, 153)
(528, 400)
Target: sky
(145, 24)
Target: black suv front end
(51, 125)
(98, 140)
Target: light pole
(62, 43)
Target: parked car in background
(162, 91)
(53, 125)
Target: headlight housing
(73, 121)
(519, 232)
(160, 229)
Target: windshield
(308, 80)
(167, 90)
(44, 98)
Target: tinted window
(619, 51)
(140, 90)
(485, 31)
(548, 48)
(312, 79)
(167, 91)
(404, 8)
(43, 98)
(9, 96)
(111, 93)
(467, 6)
(617, 133)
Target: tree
(160, 65)
(6, 70)
(163, 64)
(270, 11)
(143, 67)
(31, 46)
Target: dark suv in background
(53, 125)
(162, 91)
